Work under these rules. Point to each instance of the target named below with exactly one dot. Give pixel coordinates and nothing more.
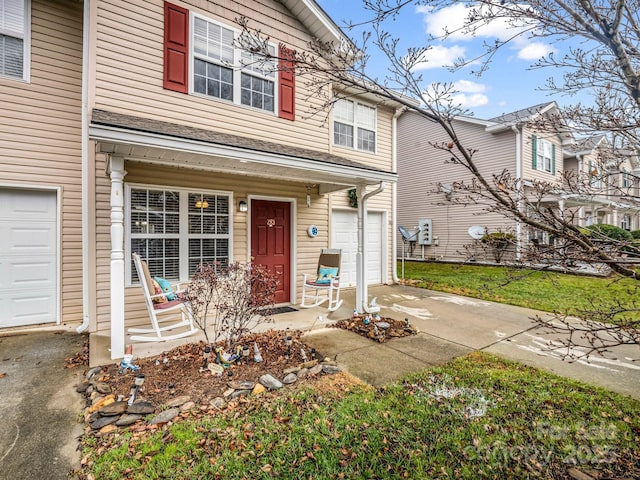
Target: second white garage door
(344, 235)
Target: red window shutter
(176, 48)
(287, 83)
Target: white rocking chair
(325, 286)
(175, 311)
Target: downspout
(85, 167)
(519, 186)
(581, 209)
(362, 291)
(394, 192)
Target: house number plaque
(271, 222)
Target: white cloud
(534, 51)
(470, 101)
(439, 56)
(469, 86)
(451, 19)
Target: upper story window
(354, 125)
(595, 176)
(223, 71)
(543, 155)
(14, 38)
(627, 179)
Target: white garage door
(344, 235)
(28, 252)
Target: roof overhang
(161, 149)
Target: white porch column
(360, 253)
(117, 173)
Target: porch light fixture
(308, 196)
(202, 204)
(242, 206)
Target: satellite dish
(477, 232)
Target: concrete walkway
(39, 407)
(452, 326)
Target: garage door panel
(28, 257)
(345, 236)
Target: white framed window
(544, 155)
(595, 176)
(627, 179)
(175, 230)
(14, 38)
(222, 70)
(354, 125)
(625, 223)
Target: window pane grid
(349, 116)
(343, 134)
(257, 92)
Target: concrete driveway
(39, 407)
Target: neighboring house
(440, 228)
(181, 147)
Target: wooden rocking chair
(325, 286)
(171, 314)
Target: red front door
(271, 242)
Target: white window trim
(627, 179)
(541, 158)
(355, 126)
(237, 68)
(184, 244)
(26, 45)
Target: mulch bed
(380, 330)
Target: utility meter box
(424, 236)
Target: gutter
(518, 190)
(85, 168)
(394, 192)
(362, 289)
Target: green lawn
(478, 417)
(547, 291)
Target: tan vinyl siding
(40, 131)
(421, 167)
(130, 80)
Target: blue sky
(506, 87)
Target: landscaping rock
(103, 388)
(330, 369)
(108, 429)
(82, 388)
(178, 401)
(290, 378)
(315, 370)
(165, 417)
(240, 393)
(128, 419)
(270, 382)
(291, 370)
(241, 384)
(217, 402)
(258, 389)
(115, 408)
(103, 421)
(303, 373)
(91, 373)
(141, 408)
(187, 406)
(100, 402)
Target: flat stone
(241, 384)
(164, 417)
(239, 393)
(115, 408)
(309, 364)
(92, 372)
(100, 402)
(315, 370)
(330, 362)
(270, 382)
(103, 388)
(290, 378)
(258, 389)
(103, 421)
(303, 373)
(128, 419)
(82, 387)
(108, 429)
(330, 369)
(187, 406)
(291, 370)
(141, 408)
(178, 401)
(383, 325)
(228, 392)
(90, 391)
(217, 402)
